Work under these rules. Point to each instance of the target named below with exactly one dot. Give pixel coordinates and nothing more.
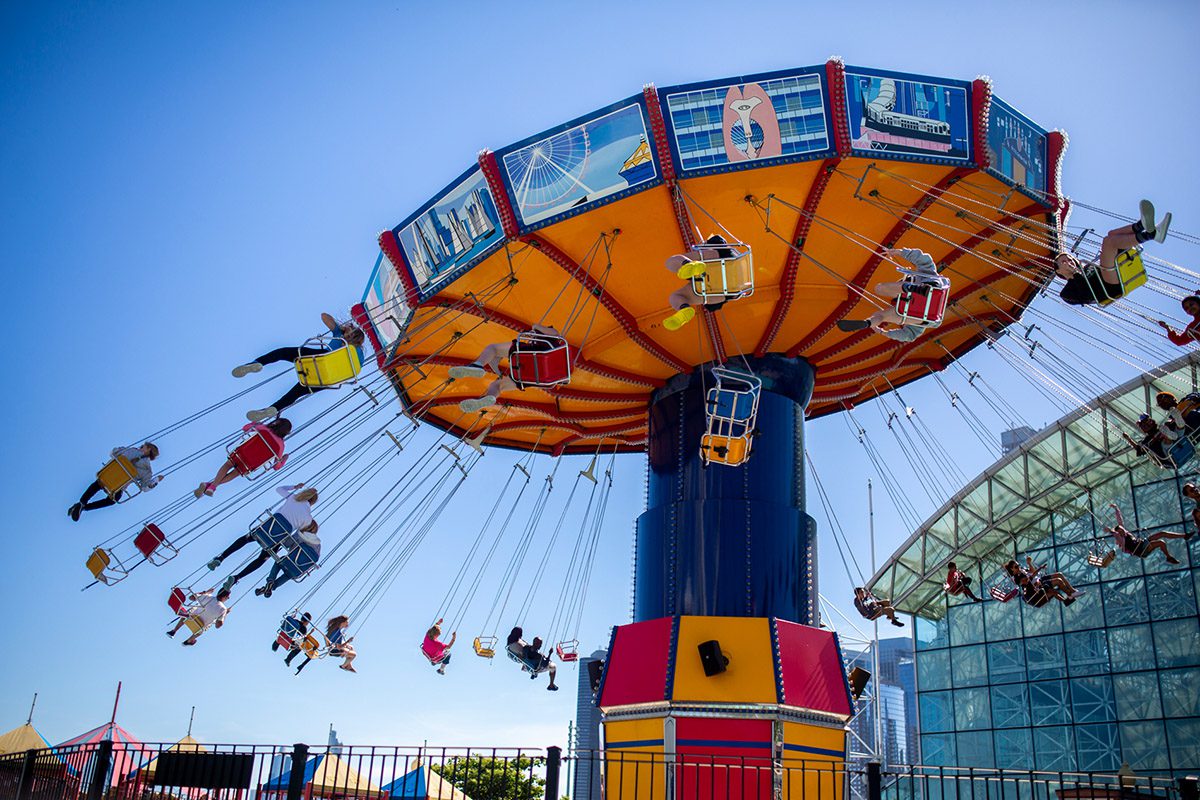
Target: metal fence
(193, 771)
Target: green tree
(485, 778)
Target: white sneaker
(476, 404)
(468, 371)
(246, 369)
(1146, 209)
(259, 414)
(1160, 230)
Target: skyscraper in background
(897, 698)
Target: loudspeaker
(858, 678)
(711, 658)
(595, 668)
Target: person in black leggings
(344, 335)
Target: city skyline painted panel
(739, 123)
(890, 113)
(572, 169)
(1016, 147)
(451, 232)
(384, 303)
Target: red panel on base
(636, 669)
(723, 758)
(813, 676)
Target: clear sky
(184, 186)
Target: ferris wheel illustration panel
(575, 167)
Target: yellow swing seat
(727, 278)
(196, 626)
(485, 646)
(1132, 272)
(729, 450)
(100, 564)
(116, 476)
(330, 369)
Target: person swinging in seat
(437, 651)
(339, 645)
(1190, 334)
(292, 632)
(342, 334)
(1141, 546)
(542, 338)
(531, 657)
(209, 609)
(922, 279)
(1100, 285)
(294, 515)
(271, 435)
(872, 607)
(303, 553)
(958, 582)
(1183, 416)
(1154, 441)
(691, 265)
(139, 458)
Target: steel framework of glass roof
(1004, 511)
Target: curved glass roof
(1007, 509)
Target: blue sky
(186, 186)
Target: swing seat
(732, 451)
(299, 562)
(196, 626)
(117, 476)
(271, 531)
(537, 359)
(100, 564)
(567, 651)
(1180, 453)
(1132, 272)
(311, 647)
(923, 304)
(485, 646)
(330, 369)
(177, 600)
(433, 662)
(258, 451)
(532, 669)
(1001, 596)
(283, 640)
(152, 543)
(1101, 561)
(728, 278)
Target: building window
(975, 749)
(1014, 749)
(1054, 748)
(1010, 706)
(1137, 696)
(1087, 611)
(1171, 594)
(1130, 648)
(932, 633)
(1048, 703)
(1092, 699)
(1183, 737)
(1180, 693)
(969, 665)
(1158, 504)
(937, 711)
(1047, 619)
(972, 709)
(1098, 747)
(966, 623)
(1044, 656)
(1142, 745)
(1087, 652)
(933, 671)
(1125, 600)
(1006, 661)
(938, 750)
(1177, 642)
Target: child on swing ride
(437, 651)
(293, 516)
(273, 432)
(872, 607)
(339, 645)
(140, 458)
(545, 337)
(887, 321)
(1183, 416)
(686, 267)
(343, 334)
(1142, 546)
(1190, 334)
(1154, 441)
(1089, 286)
(209, 609)
(959, 582)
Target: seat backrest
(283, 640)
(98, 561)
(328, 369)
(271, 531)
(176, 599)
(540, 367)
(299, 561)
(1181, 452)
(148, 540)
(310, 646)
(116, 474)
(196, 625)
(256, 451)
(728, 450)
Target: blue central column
(728, 541)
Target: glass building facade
(1113, 678)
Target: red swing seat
(568, 651)
(177, 600)
(539, 359)
(152, 543)
(258, 450)
(923, 304)
(1000, 595)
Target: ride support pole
(295, 789)
(25, 782)
(100, 773)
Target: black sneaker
(852, 325)
(74, 511)
(898, 623)
(551, 688)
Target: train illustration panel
(573, 168)
(1017, 147)
(456, 229)
(750, 122)
(893, 114)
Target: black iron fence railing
(190, 770)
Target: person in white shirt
(304, 551)
(209, 609)
(294, 515)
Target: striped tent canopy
(128, 751)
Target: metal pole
(32, 706)
(874, 781)
(295, 787)
(116, 701)
(877, 711)
(103, 761)
(572, 748)
(553, 760)
(25, 781)
(191, 719)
